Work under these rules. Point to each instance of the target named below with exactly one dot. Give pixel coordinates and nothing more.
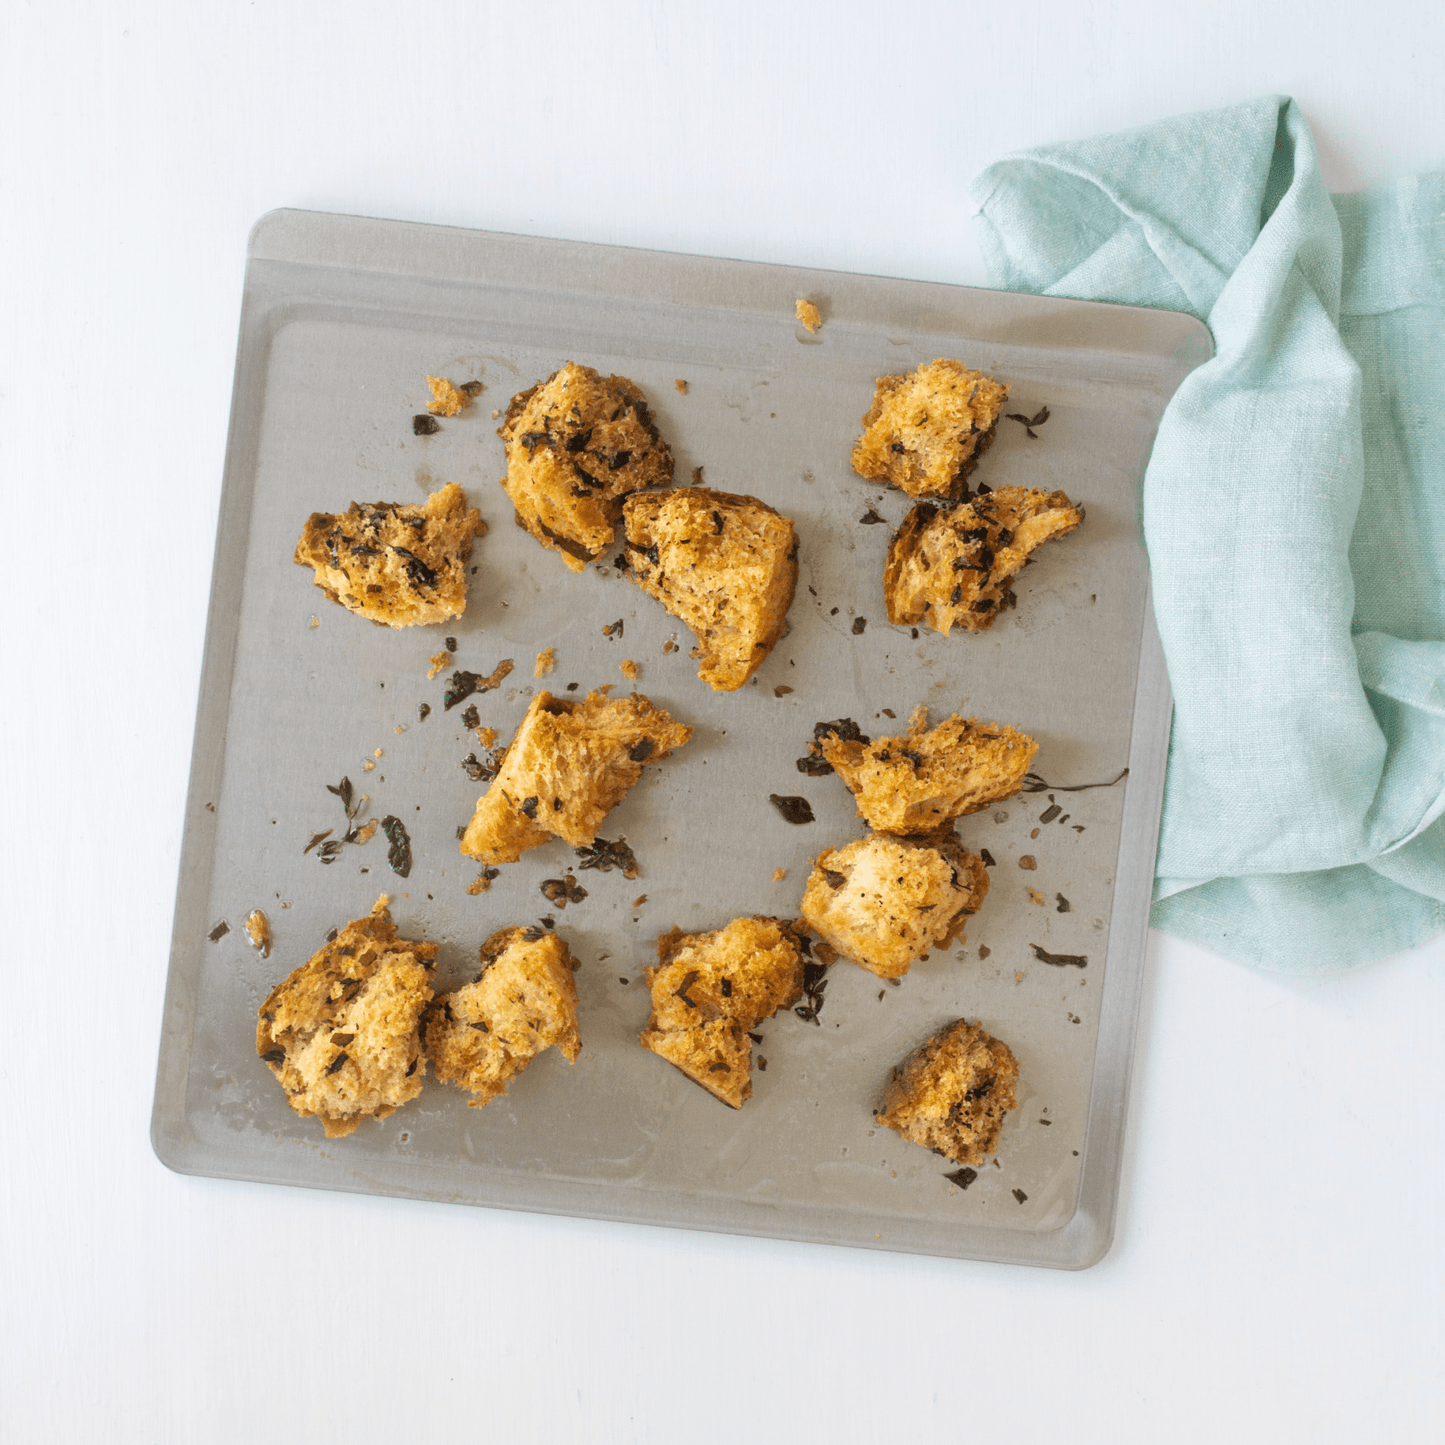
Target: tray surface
(343, 318)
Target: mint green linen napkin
(1294, 513)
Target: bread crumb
(639, 900)
(258, 929)
(808, 314)
(669, 646)
(1036, 897)
(779, 874)
(546, 662)
(495, 415)
(1028, 862)
(1019, 977)
(367, 831)
(439, 661)
(368, 766)
(697, 476)
(446, 399)
(984, 950)
(315, 622)
(480, 884)
(399, 729)
(782, 690)
(681, 385)
(629, 670)
(487, 736)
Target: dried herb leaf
(793, 808)
(423, 425)
(1034, 784)
(606, 856)
(464, 684)
(962, 1177)
(219, 931)
(1060, 960)
(399, 854)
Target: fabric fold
(1294, 513)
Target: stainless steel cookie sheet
(343, 319)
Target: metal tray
(342, 320)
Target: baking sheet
(343, 319)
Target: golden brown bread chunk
(567, 766)
(951, 1094)
(394, 563)
(952, 566)
(577, 444)
(524, 1000)
(725, 565)
(926, 431)
(883, 902)
(921, 780)
(709, 989)
(340, 1032)
(808, 314)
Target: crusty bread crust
(524, 1000)
(953, 566)
(709, 989)
(725, 565)
(921, 780)
(397, 565)
(577, 444)
(952, 1093)
(883, 902)
(926, 430)
(567, 766)
(340, 1032)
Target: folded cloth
(1294, 514)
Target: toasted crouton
(926, 431)
(952, 566)
(725, 565)
(710, 989)
(395, 564)
(577, 444)
(567, 766)
(883, 902)
(524, 1000)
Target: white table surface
(1277, 1273)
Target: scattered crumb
(367, 831)
(984, 950)
(779, 874)
(1028, 862)
(681, 385)
(368, 766)
(446, 399)
(1019, 977)
(495, 415)
(1034, 834)
(258, 929)
(697, 476)
(1036, 897)
(315, 622)
(399, 729)
(487, 736)
(629, 670)
(546, 662)
(639, 900)
(669, 646)
(439, 661)
(808, 314)
(377, 753)
(782, 690)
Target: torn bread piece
(926, 430)
(340, 1033)
(396, 564)
(567, 766)
(883, 902)
(710, 989)
(953, 566)
(921, 780)
(577, 444)
(952, 1093)
(481, 1036)
(725, 565)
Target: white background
(1277, 1274)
